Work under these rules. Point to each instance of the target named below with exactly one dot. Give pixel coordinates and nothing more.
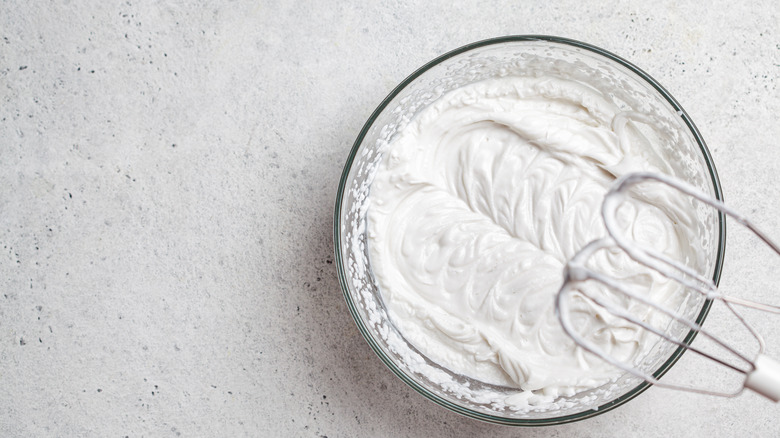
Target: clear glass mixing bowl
(633, 89)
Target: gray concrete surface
(167, 179)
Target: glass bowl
(631, 88)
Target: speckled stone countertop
(167, 182)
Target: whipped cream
(479, 202)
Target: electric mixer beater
(762, 373)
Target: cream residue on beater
(475, 208)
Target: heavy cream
(477, 205)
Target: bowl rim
(343, 275)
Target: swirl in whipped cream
(476, 207)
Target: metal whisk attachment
(762, 373)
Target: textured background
(167, 182)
